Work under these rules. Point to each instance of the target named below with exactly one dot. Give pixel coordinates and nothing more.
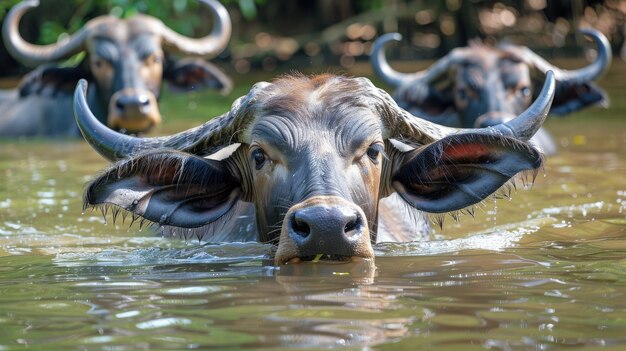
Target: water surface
(543, 271)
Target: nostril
(119, 105)
(300, 226)
(353, 225)
(350, 226)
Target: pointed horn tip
(528, 123)
(19, 9)
(600, 39)
(211, 2)
(209, 46)
(393, 36)
(80, 93)
(227, 88)
(548, 90)
(592, 32)
(385, 38)
(216, 6)
(81, 86)
(379, 61)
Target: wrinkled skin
(126, 60)
(479, 85)
(315, 157)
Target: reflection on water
(544, 271)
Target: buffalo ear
(167, 187)
(432, 101)
(571, 97)
(49, 81)
(461, 170)
(195, 74)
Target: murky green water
(545, 271)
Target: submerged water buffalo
(126, 60)
(480, 85)
(314, 156)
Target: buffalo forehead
(121, 30)
(486, 57)
(492, 62)
(345, 128)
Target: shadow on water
(545, 270)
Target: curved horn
(406, 127)
(379, 61)
(202, 140)
(108, 143)
(591, 72)
(210, 45)
(34, 55)
(395, 78)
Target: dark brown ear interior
(49, 81)
(433, 100)
(195, 74)
(461, 170)
(571, 97)
(167, 187)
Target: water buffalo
(126, 61)
(481, 85)
(313, 155)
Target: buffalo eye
(374, 151)
(98, 63)
(156, 59)
(524, 91)
(259, 158)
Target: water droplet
(163, 219)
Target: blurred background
(272, 35)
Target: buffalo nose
(139, 102)
(324, 229)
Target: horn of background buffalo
(395, 78)
(524, 126)
(591, 72)
(380, 64)
(210, 45)
(405, 127)
(34, 55)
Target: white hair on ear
(224, 152)
(400, 222)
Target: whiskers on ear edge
(224, 229)
(526, 178)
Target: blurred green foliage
(175, 14)
(267, 33)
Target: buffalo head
(314, 156)
(126, 59)
(479, 85)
